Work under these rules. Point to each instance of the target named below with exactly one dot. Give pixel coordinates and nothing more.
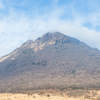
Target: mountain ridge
(52, 60)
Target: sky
(22, 20)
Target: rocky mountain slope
(53, 60)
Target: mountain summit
(52, 60)
(56, 37)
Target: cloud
(1, 5)
(56, 1)
(17, 26)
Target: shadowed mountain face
(53, 60)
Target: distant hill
(53, 60)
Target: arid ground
(35, 97)
(90, 95)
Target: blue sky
(21, 20)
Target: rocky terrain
(53, 60)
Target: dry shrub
(61, 93)
(87, 97)
(91, 94)
(51, 91)
(94, 92)
(75, 93)
(28, 93)
(41, 93)
(98, 98)
(24, 92)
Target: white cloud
(1, 5)
(17, 27)
(56, 1)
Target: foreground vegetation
(53, 94)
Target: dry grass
(54, 94)
(36, 97)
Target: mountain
(53, 60)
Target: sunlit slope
(52, 60)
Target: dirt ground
(7, 96)
(36, 96)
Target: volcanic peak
(55, 38)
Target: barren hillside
(53, 60)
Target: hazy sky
(21, 20)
